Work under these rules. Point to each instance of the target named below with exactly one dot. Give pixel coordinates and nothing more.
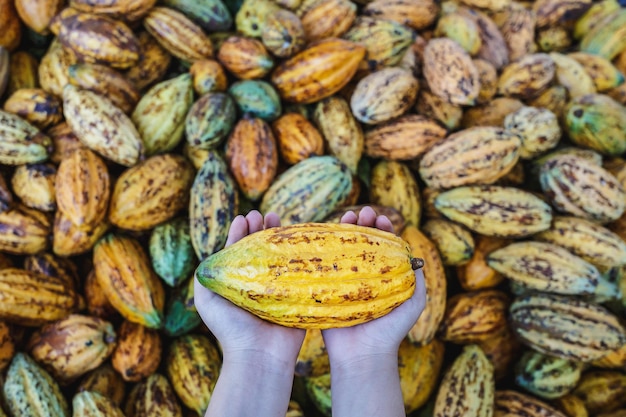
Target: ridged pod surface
(129, 10)
(105, 81)
(495, 210)
(393, 184)
(54, 66)
(478, 155)
(94, 404)
(607, 38)
(21, 142)
(603, 72)
(518, 30)
(160, 114)
(7, 345)
(509, 403)
(94, 118)
(153, 62)
(312, 358)
(36, 106)
(602, 391)
(24, 231)
(151, 192)
(502, 349)
(416, 14)
(72, 346)
(208, 76)
(47, 264)
(171, 252)
(592, 242)
(327, 18)
(454, 242)
(432, 106)
(384, 95)
(99, 39)
(476, 274)
(547, 267)
(303, 275)
(538, 129)
(297, 138)
(251, 15)
(309, 190)
(246, 58)
(405, 138)
(37, 15)
(257, 98)
(153, 397)
(33, 299)
(211, 15)
(474, 317)
(210, 119)
(425, 329)
(69, 239)
(181, 316)
(30, 391)
(106, 381)
(565, 326)
(34, 185)
(385, 41)
(193, 365)
(127, 279)
(527, 77)
(546, 376)
(212, 206)
(342, 132)
(419, 368)
(319, 71)
(179, 35)
(467, 387)
(83, 187)
(138, 351)
(598, 122)
(252, 156)
(581, 188)
(450, 72)
(283, 33)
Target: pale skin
(259, 357)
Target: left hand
(240, 332)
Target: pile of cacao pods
(491, 132)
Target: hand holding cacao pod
(315, 275)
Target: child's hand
(382, 335)
(237, 330)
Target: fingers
(238, 229)
(255, 221)
(272, 220)
(349, 217)
(383, 223)
(367, 217)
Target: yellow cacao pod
(297, 138)
(106, 381)
(83, 187)
(138, 352)
(153, 397)
(70, 347)
(151, 192)
(124, 272)
(424, 330)
(319, 71)
(193, 365)
(309, 270)
(32, 299)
